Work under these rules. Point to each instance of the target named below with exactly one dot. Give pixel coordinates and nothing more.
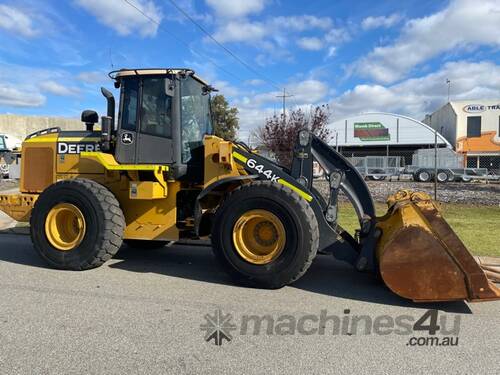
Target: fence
(424, 165)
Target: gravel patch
(455, 192)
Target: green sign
(371, 131)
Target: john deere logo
(474, 108)
(76, 147)
(127, 138)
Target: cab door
(155, 123)
(126, 135)
(145, 131)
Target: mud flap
(421, 257)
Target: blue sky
(357, 56)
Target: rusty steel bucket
(421, 258)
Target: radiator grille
(38, 169)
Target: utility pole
(283, 97)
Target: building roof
(474, 104)
(381, 129)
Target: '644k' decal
(270, 175)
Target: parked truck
(9, 154)
(450, 167)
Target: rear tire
(423, 175)
(145, 244)
(442, 177)
(301, 236)
(102, 230)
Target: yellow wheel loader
(157, 175)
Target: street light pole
(435, 163)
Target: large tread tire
(145, 244)
(302, 234)
(104, 218)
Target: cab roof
(155, 71)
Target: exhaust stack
(111, 105)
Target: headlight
(304, 138)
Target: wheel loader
(157, 174)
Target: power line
(231, 53)
(182, 41)
(272, 83)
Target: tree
(279, 134)
(225, 118)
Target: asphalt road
(141, 313)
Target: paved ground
(141, 313)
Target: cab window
(3, 146)
(130, 96)
(195, 116)
(156, 108)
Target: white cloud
(93, 77)
(413, 97)
(225, 88)
(22, 86)
(16, 21)
(236, 31)
(123, 18)
(255, 82)
(310, 43)
(274, 29)
(464, 23)
(308, 91)
(235, 8)
(11, 96)
(302, 23)
(56, 88)
(418, 96)
(371, 22)
(253, 110)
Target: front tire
(265, 235)
(77, 224)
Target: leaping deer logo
(127, 138)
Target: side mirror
(90, 117)
(169, 87)
(106, 132)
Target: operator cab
(163, 117)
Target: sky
(355, 56)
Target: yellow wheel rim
(259, 236)
(65, 226)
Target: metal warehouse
(473, 128)
(381, 133)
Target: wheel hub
(259, 236)
(65, 226)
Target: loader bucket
(422, 259)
